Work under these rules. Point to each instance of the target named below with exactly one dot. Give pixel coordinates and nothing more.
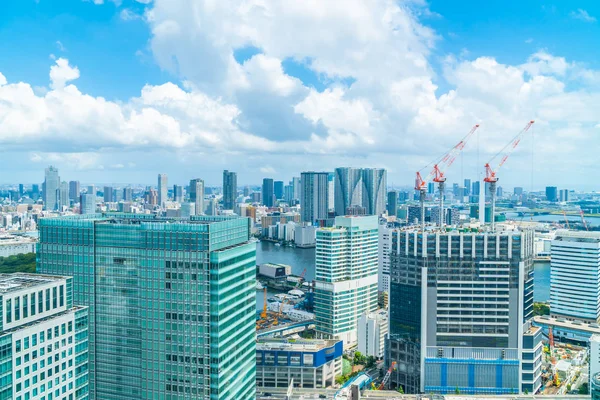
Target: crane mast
(490, 173)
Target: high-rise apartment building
(50, 188)
(151, 196)
(296, 184)
(43, 339)
(467, 187)
(178, 193)
(62, 196)
(366, 188)
(552, 194)
(331, 189)
(476, 188)
(392, 203)
(575, 275)
(74, 189)
(314, 196)
(564, 195)
(196, 193)
(172, 302)
(229, 189)
(461, 307)
(372, 332)
(278, 189)
(108, 194)
(346, 276)
(87, 203)
(127, 194)
(163, 189)
(268, 192)
(384, 249)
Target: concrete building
(74, 189)
(564, 195)
(305, 236)
(196, 193)
(372, 333)
(310, 363)
(50, 188)
(575, 275)
(595, 386)
(392, 203)
(108, 194)
(229, 189)
(11, 245)
(187, 210)
(383, 260)
(360, 187)
(151, 197)
(346, 276)
(552, 194)
(594, 347)
(172, 302)
(565, 331)
(278, 190)
(268, 195)
(163, 189)
(296, 184)
(87, 203)
(461, 308)
(43, 339)
(314, 196)
(127, 194)
(178, 193)
(62, 196)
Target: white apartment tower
(346, 276)
(43, 339)
(372, 332)
(575, 275)
(385, 247)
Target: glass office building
(171, 302)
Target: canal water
(299, 259)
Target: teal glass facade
(171, 302)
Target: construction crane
(566, 219)
(490, 174)
(437, 174)
(583, 220)
(298, 284)
(386, 378)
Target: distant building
(178, 193)
(151, 197)
(372, 332)
(196, 194)
(187, 210)
(564, 195)
(278, 189)
(229, 189)
(163, 189)
(575, 275)
(87, 203)
(74, 189)
(43, 337)
(62, 196)
(430, 188)
(296, 184)
(268, 192)
(552, 194)
(475, 190)
(518, 191)
(467, 187)
(50, 188)
(108, 194)
(346, 276)
(310, 363)
(127, 194)
(314, 196)
(385, 247)
(392, 203)
(12, 245)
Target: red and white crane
(437, 174)
(490, 173)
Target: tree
(370, 361)
(400, 390)
(456, 390)
(584, 389)
(359, 358)
(541, 309)
(526, 392)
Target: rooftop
(298, 345)
(19, 281)
(563, 323)
(581, 235)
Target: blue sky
(307, 93)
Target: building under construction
(461, 307)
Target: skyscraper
(178, 193)
(392, 203)
(267, 192)
(151, 196)
(74, 189)
(467, 187)
(196, 193)
(314, 196)
(62, 196)
(229, 189)
(127, 194)
(461, 309)
(278, 189)
(87, 203)
(348, 189)
(296, 184)
(552, 194)
(172, 302)
(564, 195)
(43, 338)
(575, 275)
(108, 194)
(476, 188)
(21, 190)
(50, 187)
(35, 192)
(163, 189)
(346, 276)
(331, 197)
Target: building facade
(372, 333)
(310, 363)
(392, 203)
(43, 338)
(229, 189)
(172, 302)
(163, 189)
(385, 247)
(268, 194)
(346, 276)
(108, 194)
(11, 245)
(365, 187)
(461, 308)
(178, 193)
(314, 196)
(50, 188)
(575, 275)
(196, 193)
(74, 189)
(87, 203)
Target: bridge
(287, 329)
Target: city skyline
(265, 104)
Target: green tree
(584, 389)
(370, 362)
(400, 390)
(541, 309)
(456, 390)
(359, 358)
(18, 263)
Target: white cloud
(61, 73)
(582, 15)
(127, 14)
(60, 46)
(3, 80)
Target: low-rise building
(11, 245)
(372, 332)
(43, 339)
(311, 363)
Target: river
(299, 259)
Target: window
(18, 346)
(32, 301)
(17, 308)
(8, 311)
(62, 295)
(48, 300)
(25, 307)
(41, 301)
(26, 343)
(54, 298)
(42, 337)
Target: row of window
(25, 306)
(58, 330)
